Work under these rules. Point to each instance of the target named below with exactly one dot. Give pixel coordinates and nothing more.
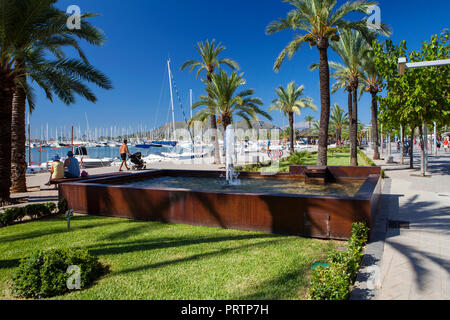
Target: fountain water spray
(231, 175)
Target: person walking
(446, 144)
(123, 155)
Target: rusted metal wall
(311, 216)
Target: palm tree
(339, 120)
(321, 23)
(30, 31)
(209, 53)
(290, 101)
(223, 99)
(352, 48)
(310, 120)
(373, 83)
(49, 34)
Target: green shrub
(6, 218)
(62, 206)
(298, 158)
(11, 215)
(369, 162)
(44, 274)
(339, 150)
(330, 283)
(37, 210)
(360, 235)
(334, 281)
(51, 206)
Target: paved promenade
(415, 262)
(39, 192)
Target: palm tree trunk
(350, 112)
(291, 133)
(5, 145)
(214, 133)
(354, 136)
(18, 137)
(376, 152)
(324, 75)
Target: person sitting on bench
(72, 165)
(57, 170)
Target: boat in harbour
(87, 162)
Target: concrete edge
(368, 279)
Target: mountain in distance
(242, 124)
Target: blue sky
(142, 34)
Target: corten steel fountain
(295, 203)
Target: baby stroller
(137, 162)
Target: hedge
(33, 211)
(334, 281)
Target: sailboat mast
(190, 95)
(171, 97)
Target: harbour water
(95, 152)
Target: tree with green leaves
(419, 96)
(224, 100)
(339, 121)
(209, 62)
(291, 101)
(31, 32)
(321, 23)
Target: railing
(72, 146)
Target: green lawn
(339, 158)
(334, 159)
(166, 261)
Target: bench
(57, 182)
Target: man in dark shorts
(123, 155)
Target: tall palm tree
(223, 99)
(339, 120)
(373, 83)
(290, 100)
(28, 35)
(352, 48)
(49, 35)
(209, 53)
(310, 120)
(321, 23)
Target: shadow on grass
(165, 243)
(284, 286)
(7, 264)
(143, 227)
(57, 230)
(199, 256)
